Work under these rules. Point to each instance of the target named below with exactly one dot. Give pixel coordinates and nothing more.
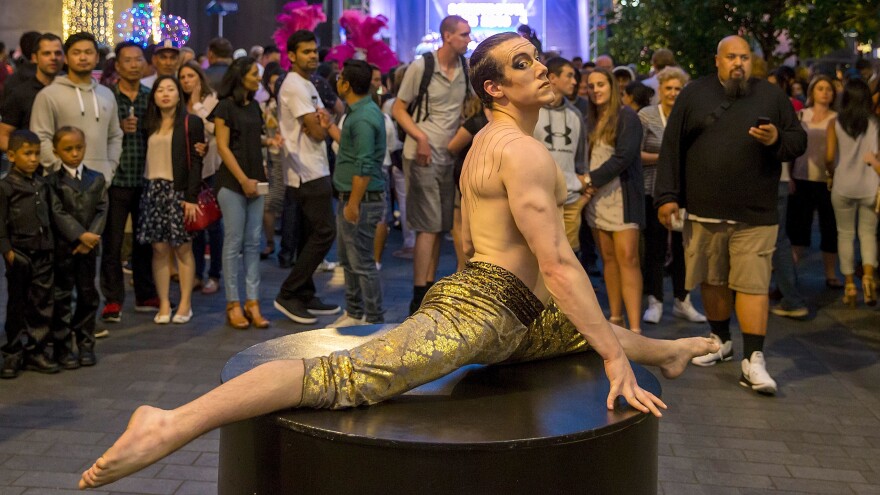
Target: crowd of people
(657, 181)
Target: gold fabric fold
(481, 315)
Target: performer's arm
(529, 175)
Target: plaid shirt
(134, 146)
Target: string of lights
(95, 17)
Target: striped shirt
(653, 125)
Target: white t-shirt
(304, 159)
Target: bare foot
(149, 437)
(682, 350)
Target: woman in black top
(238, 124)
(174, 173)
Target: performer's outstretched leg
(153, 433)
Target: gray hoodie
(562, 131)
(90, 107)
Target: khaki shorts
(734, 255)
(571, 215)
(430, 194)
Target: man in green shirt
(361, 185)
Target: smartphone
(762, 121)
(262, 188)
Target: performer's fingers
(646, 399)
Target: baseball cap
(165, 44)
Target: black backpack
(415, 107)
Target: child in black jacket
(79, 210)
(26, 245)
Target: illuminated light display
(94, 17)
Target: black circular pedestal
(533, 428)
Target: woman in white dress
(616, 211)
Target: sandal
(849, 294)
(869, 290)
(234, 316)
(252, 313)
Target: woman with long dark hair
(201, 101)
(173, 171)
(238, 123)
(616, 211)
(853, 141)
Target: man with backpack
(428, 108)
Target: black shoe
(285, 260)
(87, 358)
(296, 310)
(11, 365)
(414, 306)
(67, 359)
(317, 307)
(40, 363)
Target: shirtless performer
(522, 296)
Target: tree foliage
(692, 28)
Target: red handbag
(208, 206)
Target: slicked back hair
(485, 67)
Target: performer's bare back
(491, 234)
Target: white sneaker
(684, 309)
(346, 320)
(755, 376)
(724, 353)
(654, 311)
(327, 266)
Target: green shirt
(134, 146)
(361, 147)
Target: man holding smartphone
(721, 158)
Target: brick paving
(821, 434)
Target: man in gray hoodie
(78, 100)
(561, 129)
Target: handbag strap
(186, 134)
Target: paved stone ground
(821, 434)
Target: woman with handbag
(173, 171)
(852, 141)
(238, 124)
(201, 101)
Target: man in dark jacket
(721, 158)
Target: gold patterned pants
(481, 315)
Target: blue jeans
(243, 229)
(354, 246)
(783, 263)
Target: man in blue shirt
(361, 185)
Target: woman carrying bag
(174, 174)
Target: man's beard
(736, 87)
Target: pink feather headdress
(295, 16)
(361, 42)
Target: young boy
(26, 245)
(79, 210)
